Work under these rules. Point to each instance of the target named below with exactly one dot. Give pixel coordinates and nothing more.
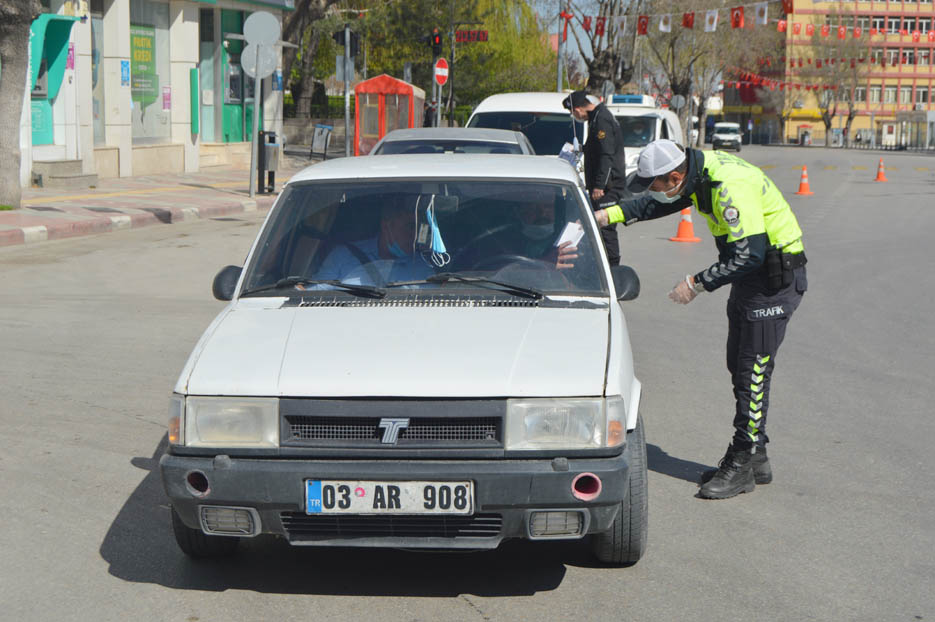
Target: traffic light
(436, 40)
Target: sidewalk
(127, 203)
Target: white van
(540, 116)
(642, 122)
(727, 136)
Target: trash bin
(268, 154)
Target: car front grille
(407, 423)
(301, 526)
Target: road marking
(923, 169)
(831, 167)
(859, 168)
(767, 167)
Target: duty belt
(792, 261)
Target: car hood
(417, 351)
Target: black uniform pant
(609, 233)
(757, 320)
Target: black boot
(762, 472)
(734, 476)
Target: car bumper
(507, 493)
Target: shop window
(150, 86)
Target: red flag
(842, 32)
(599, 26)
(916, 36)
(825, 30)
(809, 61)
(932, 35)
(586, 23)
(873, 32)
(787, 6)
(873, 61)
(642, 25)
(736, 17)
(809, 30)
(800, 62)
(818, 63)
(904, 31)
(688, 20)
(796, 28)
(853, 63)
(781, 26)
(858, 31)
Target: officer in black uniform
(605, 170)
(761, 256)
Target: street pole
(451, 65)
(347, 91)
(558, 76)
(257, 85)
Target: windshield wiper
(291, 281)
(446, 277)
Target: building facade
(119, 88)
(894, 95)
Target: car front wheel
(625, 542)
(195, 543)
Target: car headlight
(230, 422)
(565, 423)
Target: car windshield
(446, 146)
(547, 131)
(726, 130)
(637, 131)
(409, 236)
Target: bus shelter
(384, 104)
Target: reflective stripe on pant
(757, 321)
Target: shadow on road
(139, 547)
(661, 462)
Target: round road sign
(262, 28)
(441, 71)
(255, 67)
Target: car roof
(726, 124)
(523, 102)
(441, 166)
(453, 133)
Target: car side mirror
(226, 281)
(626, 282)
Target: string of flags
(818, 63)
(857, 32)
(754, 80)
(737, 17)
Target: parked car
(727, 136)
(453, 140)
(406, 360)
(540, 116)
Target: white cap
(657, 158)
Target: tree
(16, 16)
(608, 50)
(298, 28)
(836, 66)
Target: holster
(780, 268)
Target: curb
(106, 224)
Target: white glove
(683, 292)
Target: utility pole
(347, 90)
(558, 73)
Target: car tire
(625, 542)
(738, 148)
(195, 543)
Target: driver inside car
(532, 235)
(387, 256)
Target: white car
(641, 123)
(411, 357)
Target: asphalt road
(94, 331)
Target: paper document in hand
(568, 153)
(573, 233)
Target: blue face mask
(396, 251)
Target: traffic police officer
(604, 162)
(761, 256)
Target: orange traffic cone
(803, 183)
(881, 172)
(686, 230)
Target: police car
(419, 351)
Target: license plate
(370, 497)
